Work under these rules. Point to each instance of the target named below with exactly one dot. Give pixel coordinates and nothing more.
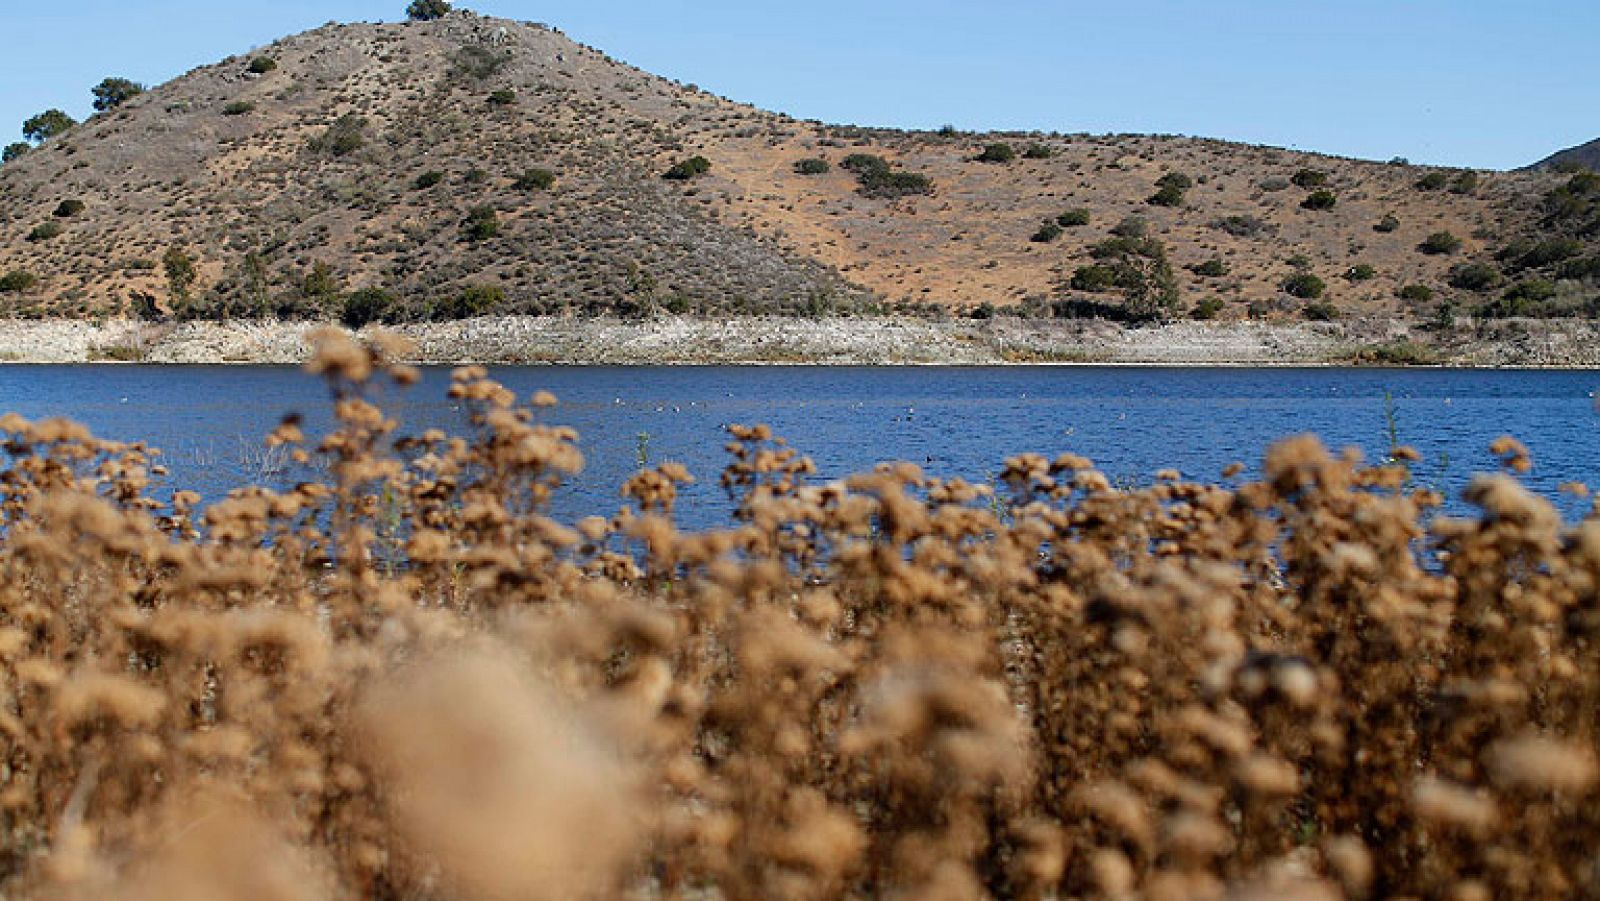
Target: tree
(684, 170)
(427, 10)
(47, 125)
(14, 151)
(114, 92)
(180, 270)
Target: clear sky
(1486, 83)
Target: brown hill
(328, 157)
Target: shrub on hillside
(481, 223)
(366, 306)
(502, 97)
(114, 92)
(427, 10)
(1360, 272)
(1390, 222)
(68, 208)
(1131, 227)
(1310, 178)
(17, 281)
(812, 166)
(1465, 182)
(1093, 278)
(1047, 232)
(1073, 218)
(1167, 196)
(1304, 285)
(14, 151)
(1433, 181)
(471, 301)
(1242, 226)
(1416, 293)
(997, 153)
(1320, 200)
(478, 62)
(238, 108)
(46, 125)
(1212, 268)
(684, 170)
(428, 179)
(45, 231)
(1476, 277)
(1439, 243)
(261, 65)
(535, 180)
(1320, 312)
(1037, 151)
(1207, 309)
(343, 137)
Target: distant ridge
(1581, 155)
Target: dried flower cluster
(405, 681)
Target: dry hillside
(406, 157)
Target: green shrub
(1207, 309)
(1465, 182)
(1320, 200)
(1175, 180)
(693, 167)
(261, 65)
(1094, 278)
(45, 231)
(1578, 270)
(1360, 272)
(238, 108)
(343, 137)
(878, 179)
(864, 162)
(1433, 181)
(812, 166)
(321, 281)
(1304, 285)
(1476, 277)
(1310, 178)
(428, 179)
(1167, 196)
(481, 223)
(983, 310)
(47, 125)
(114, 92)
(1212, 268)
(1073, 218)
(502, 97)
(181, 273)
(1274, 184)
(1417, 293)
(1037, 151)
(1242, 226)
(1527, 254)
(366, 306)
(17, 281)
(997, 153)
(1440, 243)
(535, 180)
(473, 300)
(427, 10)
(1320, 312)
(1390, 222)
(477, 175)
(478, 62)
(66, 209)
(1047, 232)
(14, 151)
(1131, 227)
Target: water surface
(963, 421)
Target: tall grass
(405, 681)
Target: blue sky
(1487, 83)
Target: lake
(1132, 421)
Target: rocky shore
(838, 341)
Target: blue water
(1132, 421)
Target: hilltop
(467, 166)
(1584, 155)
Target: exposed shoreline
(838, 341)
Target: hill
(469, 165)
(1585, 155)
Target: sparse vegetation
(479, 63)
(45, 231)
(1243, 226)
(240, 108)
(345, 136)
(880, 180)
(502, 97)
